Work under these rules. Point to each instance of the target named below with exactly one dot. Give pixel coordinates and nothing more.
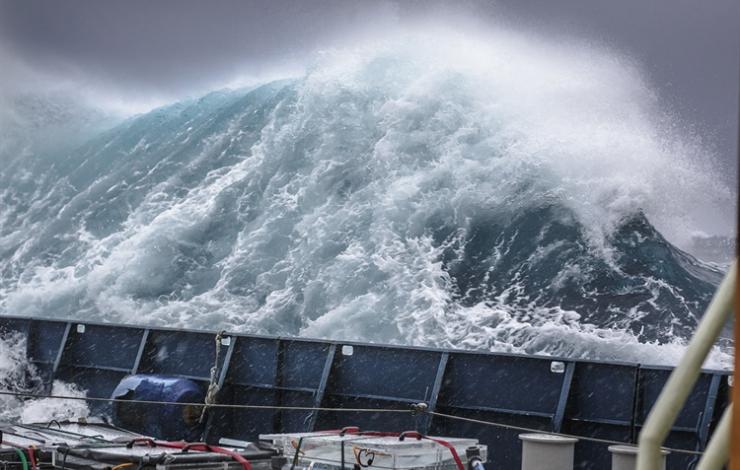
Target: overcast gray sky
(139, 50)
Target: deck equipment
(271, 385)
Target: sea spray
(504, 194)
(17, 374)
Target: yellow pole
(717, 452)
(735, 440)
(678, 387)
(735, 436)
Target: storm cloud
(141, 53)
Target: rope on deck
(414, 410)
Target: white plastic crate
(323, 450)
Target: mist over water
(500, 193)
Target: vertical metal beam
(557, 419)
(426, 420)
(30, 337)
(277, 417)
(319, 394)
(227, 362)
(636, 404)
(60, 351)
(221, 380)
(140, 352)
(708, 414)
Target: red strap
(456, 457)
(32, 457)
(201, 446)
(198, 446)
(246, 465)
(413, 434)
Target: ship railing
(682, 380)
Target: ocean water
(508, 195)
(17, 374)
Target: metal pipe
(717, 452)
(684, 376)
(547, 452)
(624, 457)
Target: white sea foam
(317, 223)
(19, 375)
(47, 409)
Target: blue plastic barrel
(170, 421)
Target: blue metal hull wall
(595, 399)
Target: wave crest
(429, 190)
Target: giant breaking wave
(502, 196)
